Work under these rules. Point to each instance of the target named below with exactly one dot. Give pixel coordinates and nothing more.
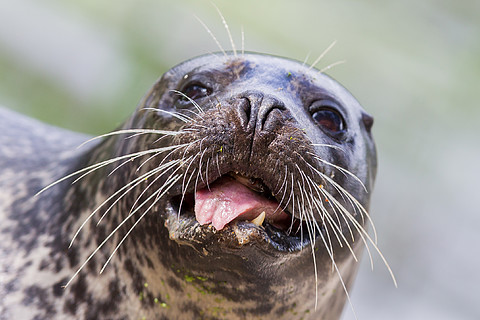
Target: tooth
(259, 220)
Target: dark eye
(194, 92)
(326, 115)
(329, 119)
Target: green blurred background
(414, 65)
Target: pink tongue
(228, 200)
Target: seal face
(238, 189)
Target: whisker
(323, 211)
(206, 174)
(135, 131)
(132, 184)
(326, 216)
(341, 190)
(228, 30)
(243, 40)
(177, 115)
(322, 55)
(173, 163)
(292, 197)
(200, 163)
(343, 170)
(332, 65)
(218, 166)
(326, 145)
(103, 243)
(185, 187)
(306, 58)
(169, 185)
(213, 37)
(102, 164)
(284, 191)
(195, 104)
(131, 157)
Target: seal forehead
(260, 71)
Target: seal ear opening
(367, 121)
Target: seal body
(237, 190)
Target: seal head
(258, 136)
(238, 189)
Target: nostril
(244, 111)
(271, 112)
(250, 102)
(272, 118)
(247, 109)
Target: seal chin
(259, 220)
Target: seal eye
(329, 119)
(194, 92)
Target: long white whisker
(135, 131)
(343, 170)
(243, 40)
(132, 184)
(306, 59)
(323, 54)
(341, 190)
(104, 163)
(174, 162)
(103, 242)
(332, 65)
(206, 174)
(228, 30)
(185, 187)
(284, 190)
(200, 163)
(213, 37)
(179, 116)
(218, 166)
(326, 145)
(195, 104)
(169, 185)
(317, 202)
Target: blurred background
(414, 65)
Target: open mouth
(237, 200)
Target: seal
(238, 189)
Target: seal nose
(259, 111)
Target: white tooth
(259, 220)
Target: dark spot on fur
(108, 307)
(70, 306)
(285, 308)
(149, 262)
(198, 313)
(58, 289)
(58, 265)
(11, 286)
(43, 264)
(174, 284)
(92, 266)
(137, 277)
(35, 295)
(72, 255)
(79, 291)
